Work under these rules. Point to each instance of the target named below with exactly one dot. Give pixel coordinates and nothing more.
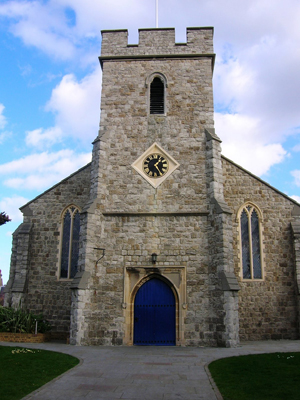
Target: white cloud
(296, 148)
(40, 25)
(48, 26)
(51, 43)
(296, 175)
(3, 121)
(76, 106)
(39, 171)
(234, 81)
(43, 137)
(297, 198)
(26, 70)
(256, 77)
(4, 135)
(91, 16)
(244, 142)
(11, 205)
(250, 84)
(2, 117)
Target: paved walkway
(144, 373)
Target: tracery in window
(70, 243)
(250, 234)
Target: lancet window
(251, 242)
(69, 243)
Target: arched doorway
(155, 314)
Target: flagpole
(156, 14)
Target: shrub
(19, 321)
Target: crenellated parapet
(159, 41)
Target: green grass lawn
(25, 370)
(273, 376)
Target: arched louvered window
(70, 243)
(157, 96)
(250, 231)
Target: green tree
(4, 218)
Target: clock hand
(157, 169)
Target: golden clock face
(155, 165)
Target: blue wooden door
(154, 315)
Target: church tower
(156, 262)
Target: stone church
(160, 240)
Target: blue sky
(50, 87)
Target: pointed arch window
(157, 96)
(251, 242)
(69, 243)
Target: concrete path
(144, 373)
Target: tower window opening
(157, 96)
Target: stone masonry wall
(127, 130)
(44, 292)
(158, 42)
(130, 218)
(267, 308)
(129, 242)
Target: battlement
(157, 41)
